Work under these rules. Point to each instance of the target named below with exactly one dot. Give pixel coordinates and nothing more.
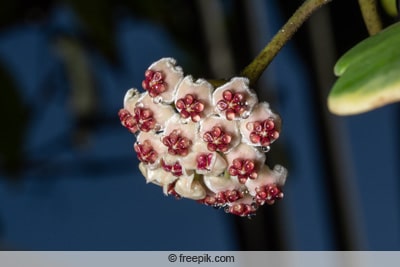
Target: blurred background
(69, 176)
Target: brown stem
(254, 70)
(370, 15)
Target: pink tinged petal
(193, 99)
(157, 176)
(245, 162)
(158, 114)
(262, 127)
(149, 149)
(221, 183)
(145, 152)
(131, 97)
(203, 161)
(211, 164)
(178, 137)
(162, 79)
(219, 134)
(234, 100)
(267, 187)
(189, 188)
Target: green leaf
(369, 74)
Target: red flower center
(221, 198)
(264, 132)
(145, 152)
(175, 169)
(243, 210)
(234, 104)
(154, 82)
(228, 196)
(177, 144)
(190, 106)
(204, 161)
(244, 169)
(268, 194)
(142, 119)
(217, 139)
(127, 120)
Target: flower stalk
(370, 15)
(254, 70)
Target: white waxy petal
(188, 130)
(173, 75)
(267, 176)
(159, 177)
(156, 144)
(131, 98)
(161, 113)
(244, 151)
(217, 164)
(220, 183)
(200, 89)
(236, 85)
(229, 127)
(261, 112)
(189, 188)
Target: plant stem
(370, 15)
(254, 70)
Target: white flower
(161, 80)
(234, 100)
(193, 99)
(202, 144)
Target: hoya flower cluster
(204, 143)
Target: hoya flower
(234, 100)
(161, 79)
(204, 161)
(219, 134)
(245, 162)
(179, 137)
(140, 113)
(149, 149)
(193, 99)
(160, 112)
(267, 188)
(204, 144)
(262, 127)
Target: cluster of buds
(204, 143)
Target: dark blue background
(91, 196)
